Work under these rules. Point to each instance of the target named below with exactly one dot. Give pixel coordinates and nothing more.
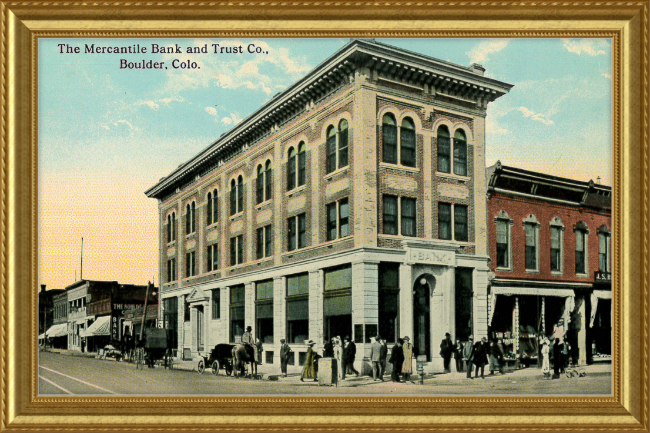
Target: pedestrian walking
(556, 359)
(308, 369)
(480, 356)
(468, 349)
(285, 350)
(496, 357)
(446, 350)
(407, 367)
(383, 355)
(83, 345)
(397, 359)
(458, 356)
(546, 369)
(338, 354)
(349, 353)
(257, 354)
(375, 358)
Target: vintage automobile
(220, 358)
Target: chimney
(42, 288)
(598, 180)
(477, 69)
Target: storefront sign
(125, 306)
(431, 257)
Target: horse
(241, 355)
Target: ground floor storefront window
(170, 320)
(337, 302)
(388, 314)
(237, 313)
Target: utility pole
(144, 313)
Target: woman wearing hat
(546, 367)
(308, 370)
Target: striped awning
(57, 330)
(101, 326)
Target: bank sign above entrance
(443, 258)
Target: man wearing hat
(247, 341)
(375, 358)
(467, 355)
(349, 353)
(446, 349)
(285, 350)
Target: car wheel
(201, 367)
(215, 367)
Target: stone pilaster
(249, 307)
(316, 283)
(193, 329)
(225, 312)
(480, 187)
(279, 315)
(406, 300)
(181, 324)
(582, 332)
(479, 313)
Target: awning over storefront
(603, 294)
(59, 330)
(101, 326)
(529, 291)
(595, 296)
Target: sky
(106, 134)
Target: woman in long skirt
(546, 367)
(308, 370)
(338, 355)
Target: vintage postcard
(325, 216)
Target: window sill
(532, 271)
(171, 244)
(214, 225)
(329, 176)
(190, 236)
(237, 266)
(557, 273)
(264, 204)
(399, 167)
(503, 269)
(453, 176)
(582, 275)
(262, 260)
(296, 190)
(236, 216)
(193, 277)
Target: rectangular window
(190, 265)
(236, 250)
(237, 312)
(555, 249)
(502, 245)
(444, 151)
(603, 259)
(215, 207)
(331, 221)
(302, 231)
(171, 270)
(389, 143)
(344, 218)
(291, 240)
(291, 172)
(407, 151)
(460, 223)
(390, 215)
(388, 308)
(339, 278)
(260, 243)
(213, 257)
(216, 304)
(531, 247)
(331, 153)
(298, 285)
(408, 217)
(298, 308)
(268, 233)
(444, 221)
(460, 157)
(264, 311)
(174, 230)
(186, 314)
(580, 252)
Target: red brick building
(351, 204)
(550, 250)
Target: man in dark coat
(458, 356)
(397, 359)
(446, 350)
(556, 359)
(328, 349)
(349, 352)
(285, 350)
(480, 356)
(383, 354)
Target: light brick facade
(358, 84)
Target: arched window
(460, 153)
(291, 170)
(233, 197)
(240, 194)
(169, 228)
(531, 230)
(302, 158)
(604, 248)
(343, 143)
(444, 150)
(213, 207)
(190, 218)
(331, 149)
(260, 184)
(389, 139)
(173, 226)
(407, 143)
(582, 232)
(268, 179)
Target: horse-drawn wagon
(153, 347)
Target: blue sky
(107, 134)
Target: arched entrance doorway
(422, 289)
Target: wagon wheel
(201, 367)
(215, 367)
(228, 369)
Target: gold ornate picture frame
(24, 22)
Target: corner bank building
(351, 204)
